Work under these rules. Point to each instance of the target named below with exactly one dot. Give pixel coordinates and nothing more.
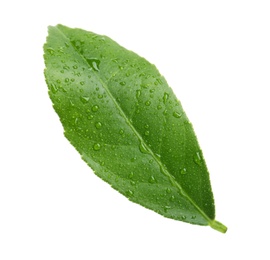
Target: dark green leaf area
(127, 124)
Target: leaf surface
(127, 124)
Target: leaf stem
(218, 226)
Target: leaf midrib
(162, 167)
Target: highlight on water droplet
(177, 114)
(122, 83)
(183, 171)
(130, 193)
(96, 146)
(152, 179)
(198, 159)
(53, 88)
(142, 148)
(146, 133)
(94, 63)
(98, 125)
(138, 93)
(95, 108)
(165, 97)
(84, 99)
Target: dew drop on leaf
(177, 114)
(96, 146)
(183, 171)
(152, 179)
(98, 125)
(130, 193)
(197, 158)
(142, 148)
(54, 89)
(148, 103)
(122, 83)
(84, 99)
(165, 97)
(138, 93)
(95, 108)
(94, 63)
(168, 190)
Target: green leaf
(127, 124)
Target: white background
(216, 57)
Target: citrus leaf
(127, 124)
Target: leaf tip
(218, 226)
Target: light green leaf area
(127, 124)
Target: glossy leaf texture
(118, 111)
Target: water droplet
(66, 79)
(138, 93)
(133, 159)
(84, 99)
(131, 175)
(159, 107)
(158, 155)
(193, 217)
(168, 190)
(121, 132)
(50, 50)
(148, 103)
(95, 108)
(100, 96)
(130, 193)
(183, 171)
(82, 83)
(98, 125)
(152, 179)
(146, 133)
(90, 117)
(96, 147)
(142, 148)
(172, 198)
(54, 89)
(94, 63)
(183, 217)
(165, 97)
(177, 114)
(159, 81)
(122, 83)
(166, 208)
(197, 158)
(146, 126)
(75, 67)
